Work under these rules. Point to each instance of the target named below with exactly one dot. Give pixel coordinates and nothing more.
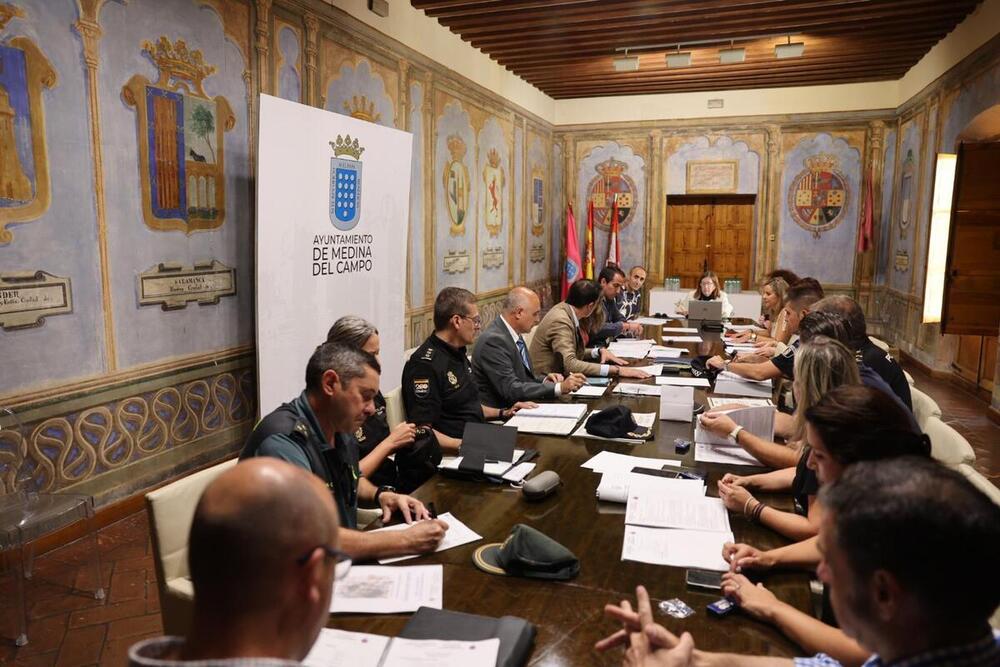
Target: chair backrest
(924, 407)
(408, 353)
(980, 482)
(909, 378)
(395, 412)
(947, 445)
(171, 511)
(879, 343)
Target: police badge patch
(345, 183)
(421, 387)
(452, 379)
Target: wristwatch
(734, 435)
(382, 489)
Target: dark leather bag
(417, 463)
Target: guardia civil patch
(452, 379)
(421, 387)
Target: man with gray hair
(313, 432)
(501, 363)
(867, 352)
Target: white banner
(332, 211)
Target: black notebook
(516, 635)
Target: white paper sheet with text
(659, 511)
(611, 462)
(439, 653)
(340, 647)
(679, 330)
(727, 454)
(678, 548)
(456, 535)
(589, 391)
(382, 589)
(677, 381)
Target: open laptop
(706, 311)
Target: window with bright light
(937, 245)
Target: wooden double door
(709, 231)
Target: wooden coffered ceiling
(566, 47)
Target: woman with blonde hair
(709, 289)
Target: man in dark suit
(611, 281)
(500, 359)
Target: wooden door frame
(679, 199)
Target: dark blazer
(613, 322)
(500, 373)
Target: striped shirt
(982, 653)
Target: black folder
(516, 635)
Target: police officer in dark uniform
(439, 389)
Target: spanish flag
(571, 271)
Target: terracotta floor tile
(129, 585)
(136, 625)
(44, 635)
(107, 613)
(40, 660)
(130, 564)
(82, 646)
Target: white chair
(408, 353)
(171, 511)
(909, 378)
(947, 445)
(395, 412)
(879, 343)
(924, 407)
(980, 482)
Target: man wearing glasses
(263, 555)
(439, 388)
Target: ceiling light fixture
(732, 55)
(789, 50)
(679, 58)
(626, 63)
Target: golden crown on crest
(821, 162)
(8, 12)
(347, 146)
(456, 147)
(493, 157)
(177, 61)
(362, 108)
(612, 168)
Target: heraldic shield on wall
(180, 136)
(345, 183)
(818, 195)
(25, 192)
(612, 183)
(456, 185)
(537, 203)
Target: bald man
(263, 557)
(501, 362)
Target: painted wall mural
(923, 217)
(540, 209)
(885, 221)
(716, 158)
(456, 201)
(360, 92)
(288, 62)
(517, 249)
(557, 213)
(494, 171)
(608, 170)
(417, 240)
(908, 189)
(821, 185)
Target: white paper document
(664, 352)
(729, 455)
(589, 391)
(677, 548)
(743, 401)
(652, 369)
(614, 487)
(681, 339)
(645, 419)
(677, 330)
(650, 321)
(677, 403)
(611, 462)
(381, 589)
(456, 535)
(730, 383)
(492, 469)
(360, 649)
(677, 381)
(647, 508)
(743, 327)
(635, 349)
(519, 472)
(340, 647)
(565, 410)
(439, 653)
(543, 425)
(634, 389)
(758, 420)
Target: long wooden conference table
(569, 615)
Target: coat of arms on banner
(818, 196)
(345, 183)
(25, 191)
(537, 203)
(493, 197)
(456, 185)
(611, 183)
(906, 188)
(181, 140)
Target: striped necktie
(523, 349)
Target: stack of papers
(650, 321)
(728, 454)
(671, 338)
(632, 349)
(680, 330)
(730, 383)
(664, 352)
(548, 418)
(672, 525)
(378, 589)
(633, 389)
(716, 401)
(360, 649)
(646, 419)
(652, 369)
(678, 381)
(589, 391)
(614, 486)
(457, 535)
(758, 420)
(742, 327)
(610, 462)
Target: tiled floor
(67, 626)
